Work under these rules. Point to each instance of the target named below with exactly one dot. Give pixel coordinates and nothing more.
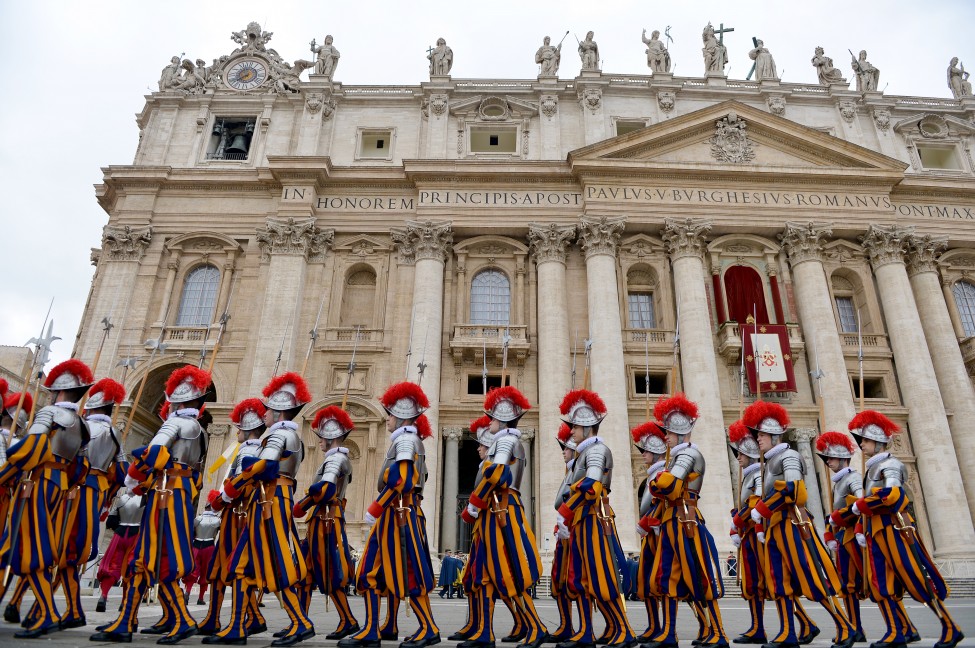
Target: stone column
(803, 242)
(527, 479)
(952, 308)
(600, 239)
(225, 286)
(937, 462)
(949, 367)
(427, 243)
(286, 245)
(519, 295)
(686, 245)
(547, 243)
(803, 438)
(172, 267)
(452, 436)
(460, 294)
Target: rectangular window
(641, 310)
(494, 139)
(848, 314)
(658, 383)
(375, 144)
(872, 387)
(939, 158)
(628, 126)
(475, 383)
(231, 138)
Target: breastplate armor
(69, 433)
(130, 510)
(646, 502)
(245, 450)
(849, 484)
(563, 491)
(887, 473)
(3, 448)
(686, 461)
(406, 447)
(751, 485)
(284, 446)
(336, 469)
(104, 446)
(507, 449)
(185, 439)
(206, 526)
(785, 466)
(596, 463)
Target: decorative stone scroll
(923, 251)
(296, 237)
(423, 240)
(886, 244)
(126, 243)
(730, 141)
(805, 241)
(686, 236)
(592, 98)
(548, 242)
(601, 235)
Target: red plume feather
(199, 378)
(112, 391)
(3, 387)
(592, 399)
(737, 431)
(72, 366)
(301, 387)
(10, 401)
(761, 410)
(479, 424)
(650, 428)
(679, 402)
(253, 404)
(404, 390)
(564, 432)
(834, 438)
(866, 417)
(333, 412)
(506, 393)
(423, 427)
(164, 410)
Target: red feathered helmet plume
(834, 444)
(3, 388)
(70, 374)
(871, 424)
(332, 422)
(104, 393)
(287, 392)
(423, 429)
(188, 383)
(404, 401)
(565, 437)
(649, 437)
(676, 414)
(10, 407)
(741, 440)
(248, 414)
(506, 404)
(770, 418)
(163, 412)
(583, 407)
(481, 429)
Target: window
(938, 157)
(872, 387)
(231, 138)
(475, 383)
(358, 298)
(490, 298)
(658, 383)
(375, 144)
(965, 301)
(628, 126)
(640, 305)
(847, 313)
(495, 139)
(199, 298)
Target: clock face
(247, 74)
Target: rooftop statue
(958, 79)
(548, 57)
(715, 53)
(868, 77)
(251, 39)
(824, 69)
(764, 63)
(441, 59)
(589, 53)
(327, 57)
(658, 57)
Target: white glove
(761, 536)
(641, 530)
(736, 540)
(473, 511)
(563, 532)
(756, 516)
(861, 540)
(131, 482)
(227, 498)
(832, 544)
(855, 510)
(369, 519)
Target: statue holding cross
(715, 53)
(441, 58)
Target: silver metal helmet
(583, 408)
(187, 384)
(834, 452)
(485, 437)
(871, 424)
(332, 423)
(286, 392)
(747, 446)
(69, 375)
(248, 414)
(405, 400)
(765, 417)
(676, 414)
(505, 404)
(646, 439)
(481, 429)
(104, 393)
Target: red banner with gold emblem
(768, 357)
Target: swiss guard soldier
(248, 417)
(594, 545)
(48, 463)
(897, 560)
(167, 471)
(836, 449)
(560, 562)
(686, 564)
(507, 549)
(206, 526)
(8, 408)
(396, 531)
(124, 518)
(328, 546)
(796, 561)
(651, 441)
(266, 554)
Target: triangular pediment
(733, 135)
(362, 245)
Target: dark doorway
(467, 463)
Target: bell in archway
(238, 146)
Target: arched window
(746, 294)
(640, 285)
(490, 298)
(846, 306)
(199, 298)
(965, 300)
(358, 298)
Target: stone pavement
(450, 615)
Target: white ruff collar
(750, 468)
(211, 513)
(515, 432)
(249, 442)
(681, 446)
(338, 449)
(779, 449)
(876, 459)
(570, 463)
(187, 412)
(839, 474)
(99, 417)
(655, 467)
(282, 425)
(66, 405)
(586, 443)
(403, 430)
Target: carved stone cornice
(601, 235)
(805, 241)
(126, 243)
(548, 242)
(923, 251)
(294, 237)
(423, 240)
(686, 237)
(885, 244)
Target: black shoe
(914, 637)
(807, 638)
(950, 644)
(295, 638)
(457, 636)
(169, 640)
(281, 633)
(844, 644)
(389, 636)
(660, 644)
(421, 643)
(11, 614)
(200, 602)
(781, 644)
(115, 637)
(100, 606)
(559, 638)
(255, 629)
(156, 630)
(888, 644)
(350, 642)
(720, 643)
(749, 639)
(225, 641)
(577, 644)
(78, 622)
(513, 638)
(859, 637)
(602, 641)
(697, 642)
(542, 637)
(476, 644)
(37, 632)
(342, 634)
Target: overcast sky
(77, 73)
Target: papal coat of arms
(730, 141)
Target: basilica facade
(626, 231)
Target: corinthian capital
(294, 237)
(886, 244)
(548, 242)
(601, 235)
(923, 251)
(423, 240)
(686, 236)
(804, 241)
(125, 243)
